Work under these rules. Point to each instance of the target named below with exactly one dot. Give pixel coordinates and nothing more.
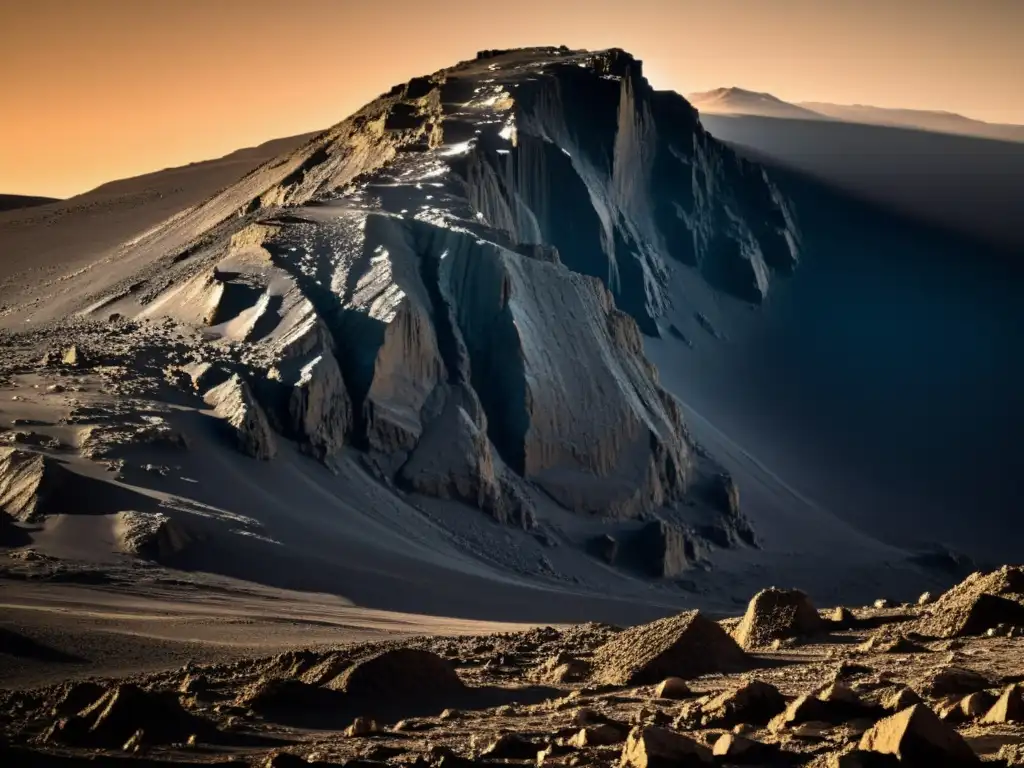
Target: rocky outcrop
(233, 402)
(487, 246)
(319, 409)
(151, 534)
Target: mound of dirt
(686, 645)
(777, 614)
(978, 603)
(399, 674)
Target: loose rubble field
(937, 683)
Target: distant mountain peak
(739, 101)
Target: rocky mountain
(455, 281)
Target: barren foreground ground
(914, 685)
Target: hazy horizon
(112, 89)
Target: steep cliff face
(455, 280)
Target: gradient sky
(95, 90)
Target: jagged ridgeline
(454, 281)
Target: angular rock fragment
(777, 614)
(685, 645)
(653, 747)
(970, 707)
(919, 738)
(1009, 708)
(233, 402)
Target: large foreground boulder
(777, 614)
(400, 674)
(919, 738)
(686, 645)
(233, 402)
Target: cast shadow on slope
(884, 391)
(970, 185)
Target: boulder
(233, 402)
(653, 747)
(686, 645)
(777, 614)
(673, 688)
(919, 738)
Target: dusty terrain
(931, 684)
(389, 391)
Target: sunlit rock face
(477, 252)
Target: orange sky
(94, 90)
